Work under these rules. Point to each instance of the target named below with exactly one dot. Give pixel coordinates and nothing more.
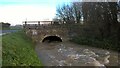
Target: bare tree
(77, 11)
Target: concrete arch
(51, 38)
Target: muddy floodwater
(70, 54)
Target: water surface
(70, 54)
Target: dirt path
(70, 54)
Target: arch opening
(50, 39)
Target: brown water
(70, 54)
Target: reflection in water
(70, 54)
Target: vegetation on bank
(97, 23)
(104, 44)
(89, 36)
(17, 50)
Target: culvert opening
(50, 39)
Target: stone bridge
(46, 32)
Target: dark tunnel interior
(50, 39)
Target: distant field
(18, 50)
(10, 28)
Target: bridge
(46, 32)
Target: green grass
(18, 50)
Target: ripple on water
(67, 55)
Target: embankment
(17, 50)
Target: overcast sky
(16, 11)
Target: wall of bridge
(40, 31)
(39, 34)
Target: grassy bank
(17, 50)
(104, 44)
